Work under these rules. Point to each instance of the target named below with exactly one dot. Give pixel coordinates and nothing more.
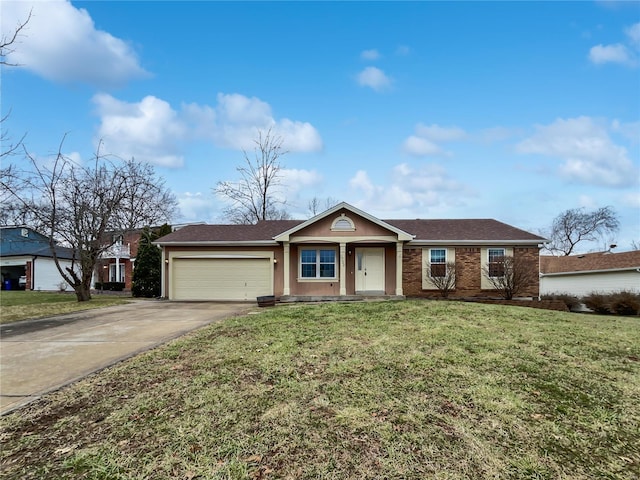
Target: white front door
(370, 270)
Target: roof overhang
(222, 243)
(402, 235)
(530, 243)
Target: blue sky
(508, 110)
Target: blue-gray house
(26, 261)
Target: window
(112, 273)
(438, 262)
(317, 263)
(496, 262)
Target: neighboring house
(341, 253)
(580, 275)
(27, 262)
(116, 264)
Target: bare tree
(575, 226)
(635, 245)
(317, 206)
(255, 197)
(6, 47)
(509, 275)
(443, 277)
(7, 42)
(77, 205)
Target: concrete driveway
(39, 356)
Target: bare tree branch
(443, 277)
(7, 42)
(516, 275)
(576, 226)
(254, 196)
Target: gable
(321, 225)
(343, 223)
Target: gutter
(222, 243)
(454, 243)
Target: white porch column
(286, 289)
(163, 275)
(343, 268)
(117, 279)
(399, 268)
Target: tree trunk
(83, 294)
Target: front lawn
(394, 390)
(18, 305)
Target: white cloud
(149, 130)
(633, 34)
(403, 51)
(425, 141)
(236, 119)
(629, 130)
(495, 134)
(195, 206)
(586, 150)
(632, 199)
(152, 131)
(616, 53)
(299, 179)
(421, 147)
(619, 52)
(437, 133)
(60, 43)
(409, 189)
(374, 78)
(372, 54)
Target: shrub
(110, 286)
(571, 301)
(598, 302)
(625, 303)
(618, 303)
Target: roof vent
(343, 223)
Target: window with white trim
(317, 263)
(437, 262)
(495, 262)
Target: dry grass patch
(362, 390)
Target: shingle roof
(590, 262)
(261, 231)
(14, 244)
(478, 230)
(464, 230)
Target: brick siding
(468, 270)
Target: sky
(514, 110)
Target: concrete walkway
(39, 356)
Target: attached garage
(228, 278)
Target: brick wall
(468, 272)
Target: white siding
(585, 283)
(45, 275)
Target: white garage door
(221, 278)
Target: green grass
(398, 390)
(22, 305)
